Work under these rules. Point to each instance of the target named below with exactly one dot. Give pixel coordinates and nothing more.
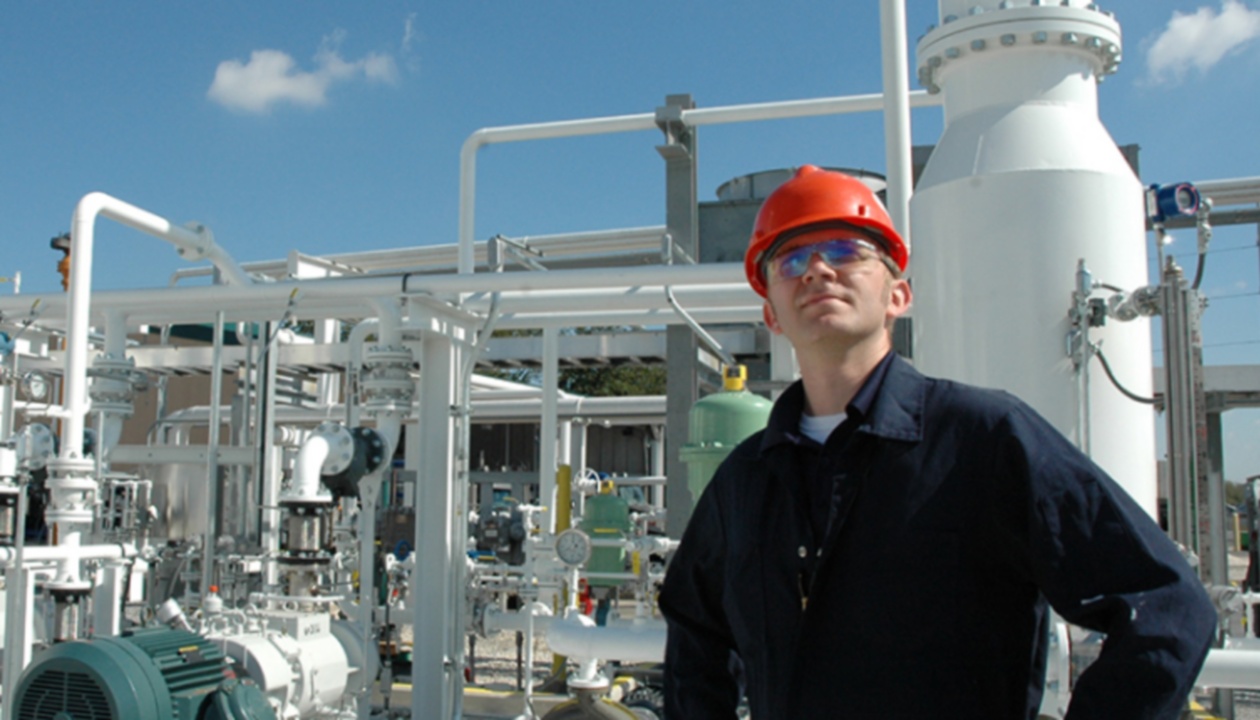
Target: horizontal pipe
(497, 620)
(627, 406)
(639, 481)
(800, 108)
(1234, 669)
(641, 297)
(353, 295)
(519, 321)
(54, 553)
(577, 636)
(637, 407)
(444, 258)
(1232, 191)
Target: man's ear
(767, 312)
(900, 298)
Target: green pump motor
(146, 674)
(717, 423)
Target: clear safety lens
(836, 253)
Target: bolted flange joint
(114, 384)
(1093, 33)
(387, 385)
(72, 491)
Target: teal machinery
(149, 674)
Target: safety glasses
(836, 253)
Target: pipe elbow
(90, 205)
(475, 141)
(308, 468)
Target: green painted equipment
(718, 423)
(606, 517)
(148, 674)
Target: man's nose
(817, 267)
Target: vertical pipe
(116, 349)
(435, 674)
(564, 444)
(468, 201)
(1219, 556)
(82, 226)
(657, 465)
(212, 458)
(896, 64)
(18, 611)
(7, 392)
(268, 477)
(547, 430)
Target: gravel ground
(496, 668)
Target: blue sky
(336, 126)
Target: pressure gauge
(34, 385)
(573, 547)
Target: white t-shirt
(819, 427)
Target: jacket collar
(895, 411)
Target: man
(890, 545)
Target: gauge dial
(34, 385)
(573, 547)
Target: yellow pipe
(564, 520)
(564, 498)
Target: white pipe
(357, 336)
(390, 317)
(115, 348)
(577, 636)
(896, 65)
(340, 297)
(632, 408)
(587, 408)
(444, 258)
(497, 620)
(306, 469)
(1236, 669)
(516, 321)
(1235, 191)
(547, 465)
(642, 121)
(389, 428)
(486, 136)
(82, 239)
(33, 554)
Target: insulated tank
(606, 517)
(717, 423)
(1024, 183)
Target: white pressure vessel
(1024, 183)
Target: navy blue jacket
(958, 514)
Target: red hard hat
(815, 197)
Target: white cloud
(1201, 39)
(271, 77)
(411, 35)
(409, 32)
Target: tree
(599, 381)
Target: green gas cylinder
(606, 517)
(719, 422)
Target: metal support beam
(1186, 419)
(682, 385)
